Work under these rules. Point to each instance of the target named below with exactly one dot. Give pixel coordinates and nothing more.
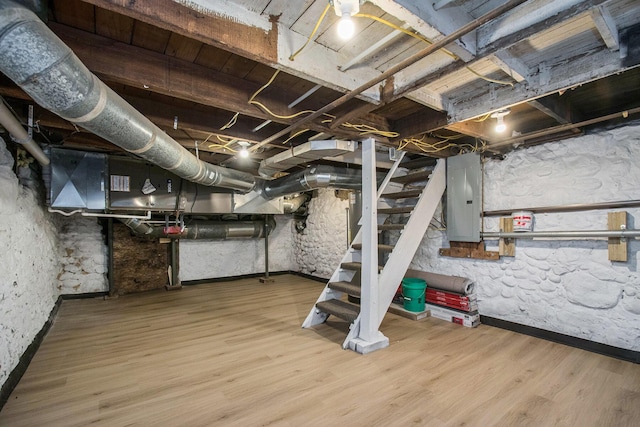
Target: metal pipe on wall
(46, 69)
(579, 234)
(569, 208)
(19, 135)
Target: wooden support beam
(506, 247)
(175, 77)
(527, 20)
(606, 26)
(592, 66)
(557, 107)
(480, 130)
(419, 123)
(499, 35)
(221, 30)
(469, 250)
(617, 245)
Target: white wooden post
(369, 338)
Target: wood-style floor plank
(233, 354)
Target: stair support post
(369, 338)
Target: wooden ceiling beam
(528, 20)
(174, 77)
(223, 30)
(419, 123)
(547, 80)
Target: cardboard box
(445, 294)
(470, 320)
(452, 303)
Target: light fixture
(345, 9)
(499, 116)
(243, 152)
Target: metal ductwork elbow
(45, 68)
(312, 178)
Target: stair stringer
(315, 316)
(406, 246)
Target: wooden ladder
(414, 203)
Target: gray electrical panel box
(464, 188)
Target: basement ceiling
(212, 73)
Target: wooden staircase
(417, 204)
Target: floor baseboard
(581, 343)
(27, 356)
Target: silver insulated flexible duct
(312, 178)
(44, 67)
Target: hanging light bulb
(346, 27)
(499, 116)
(243, 152)
(345, 9)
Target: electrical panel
(464, 191)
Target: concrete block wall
(569, 287)
(29, 265)
(209, 259)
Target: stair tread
(391, 227)
(346, 287)
(402, 194)
(400, 210)
(338, 308)
(412, 177)
(420, 162)
(357, 266)
(382, 247)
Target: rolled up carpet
(457, 284)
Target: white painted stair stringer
(396, 266)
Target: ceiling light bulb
(346, 27)
(500, 126)
(244, 153)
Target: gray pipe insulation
(45, 68)
(214, 230)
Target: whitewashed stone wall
(565, 286)
(209, 259)
(84, 256)
(321, 246)
(29, 266)
(569, 287)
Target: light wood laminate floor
(233, 354)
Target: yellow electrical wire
(294, 135)
(483, 118)
(252, 101)
(231, 122)
(367, 130)
(324, 13)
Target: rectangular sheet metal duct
(304, 153)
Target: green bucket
(413, 291)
